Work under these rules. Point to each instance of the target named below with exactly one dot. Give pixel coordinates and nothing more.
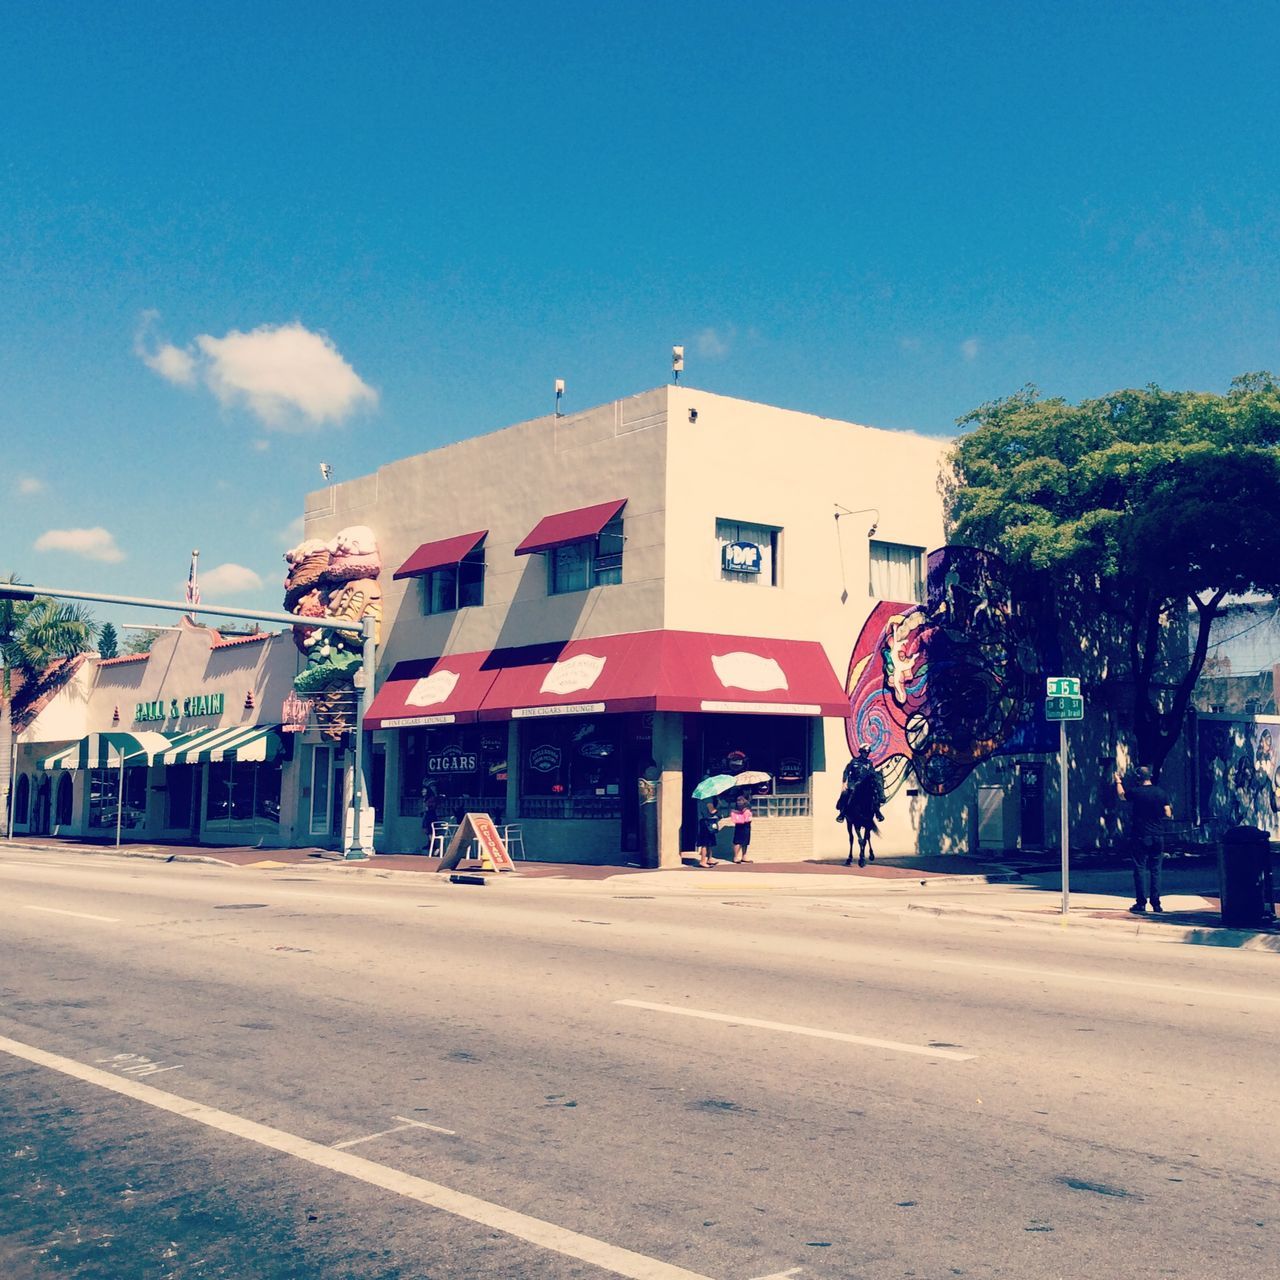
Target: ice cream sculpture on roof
(335, 580)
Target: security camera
(693, 415)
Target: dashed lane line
(546, 1235)
(737, 1020)
(78, 915)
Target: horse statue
(858, 808)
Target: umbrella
(713, 786)
(752, 778)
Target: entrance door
(1031, 805)
(326, 794)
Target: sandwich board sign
(480, 829)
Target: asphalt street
(227, 1072)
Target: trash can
(1244, 879)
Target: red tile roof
(223, 642)
(123, 658)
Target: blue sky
(240, 239)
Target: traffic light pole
(354, 850)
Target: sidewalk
(941, 884)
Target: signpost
(1063, 702)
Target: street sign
(1061, 687)
(1064, 708)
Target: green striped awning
(248, 742)
(104, 751)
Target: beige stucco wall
(740, 461)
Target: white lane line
(952, 1055)
(79, 915)
(1172, 987)
(546, 1235)
(782, 1275)
(400, 1128)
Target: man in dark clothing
(1151, 810)
(860, 767)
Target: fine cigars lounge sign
(201, 704)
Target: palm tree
(33, 633)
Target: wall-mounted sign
(453, 762)
(201, 704)
(741, 557)
(789, 769)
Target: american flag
(193, 588)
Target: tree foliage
(1140, 509)
(108, 642)
(33, 633)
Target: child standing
(741, 815)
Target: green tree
(1137, 513)
(108, 642)
(141, 641)
(33, 633)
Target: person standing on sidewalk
(741, 815)
(1151, 810)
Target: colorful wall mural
(938, 687)
(1236, 774)
(337, 579)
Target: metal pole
(355, 847)
(13, 788)
(119, 798)
(222, 611)
(1066, 839)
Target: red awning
(435, 555)
(665, 671)
(569, 526)
(432, 691)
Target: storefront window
(321, 787)
(571, 767)
(181, 784)
(240, 792)
(776, 745)
(104, 785)
(466, 764)
(22, 800)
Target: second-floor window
(593, 562)
(454, 586)
(897, 572)
(748, 552)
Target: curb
(1138, 931)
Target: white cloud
(28, 486)
(287, 376)
(260, 446)
(228, 580)
(172, 363)
(969, 348)
(93, 544)
(908, 344)
(713, 344)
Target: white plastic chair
(513, 837)
(441, 834)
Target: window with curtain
(764, 536)
(897, 572)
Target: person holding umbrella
(709, 815)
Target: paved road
(233, 1073)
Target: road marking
(546, 1235)
(952, 1055)
(79, 915)
(408, 1124)
(1171, 987)
(781, 1275)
